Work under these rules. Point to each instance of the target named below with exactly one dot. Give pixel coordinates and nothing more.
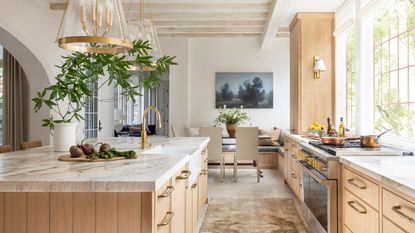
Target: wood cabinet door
(195, 200)
(179, 204)
(295, 175)
(189, 210)
(287, 148)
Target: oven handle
(319, 178)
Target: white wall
(207, 56)
(179, 82)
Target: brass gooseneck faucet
(144, 124)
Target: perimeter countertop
(397, 172)
(39, 170)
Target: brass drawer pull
(352, 182)
(184, 176)
(351, 204)
(294, 156)
(166, 193)
(194, 186)
(166, 221)
(293, 175)
(286, 149)
(204, 172)
(398, 211)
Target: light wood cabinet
(281, 164)
(179, 201)
(361, 187)
(359, 217)
(311, 34)
(399, 210)
(388, 226)
(369, 206)
(287, 149)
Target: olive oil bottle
(342, 129)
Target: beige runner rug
(252, 215)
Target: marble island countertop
(39, 170)
(394, 171)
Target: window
(131, 111)
(1, 95)
(394, 68)
(351, 81)
(91, 115)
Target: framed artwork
(250, 90)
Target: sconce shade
(319, 66)
(94, 26)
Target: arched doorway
(37, 79)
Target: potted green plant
(231, 117)
(78, 78)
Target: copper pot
(336, 141)
(371, 141)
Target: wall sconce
(319, 67)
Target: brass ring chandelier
(94, 26)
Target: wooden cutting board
(67, 158)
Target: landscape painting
(250, 90)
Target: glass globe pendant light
(145, 30)
(94, 26)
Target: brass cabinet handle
(166, 193)
(351, 204)
(194, 186)
(294, 156)
(351, 181)
(398, 210)
(293, 175)
(184, 176)
(286, 149)
(204, 172)
(166, 221)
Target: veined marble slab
(39, 170)
(394, 171)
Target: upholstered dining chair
(6, 148)
(214, 146)
(246, 148)
(30, 144)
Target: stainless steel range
(321, 173)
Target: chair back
(6, 148)
(30, 144)
(215, 143)
(174, 131)
(247, 143)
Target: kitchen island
(163, 190)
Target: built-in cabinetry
(176, 206)
(311, 34)
(370, 207)
(291, 169)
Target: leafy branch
(80, 73)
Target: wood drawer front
(361, 187)
(163, 196)
(358, 216)
(399, 211)
(388, 226)
(346, 230)
(163, 220)
(295, 147)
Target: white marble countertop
(39, 170)
(397, 172)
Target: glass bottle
(342, 129)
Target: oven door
(320, 197)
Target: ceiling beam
(210, 24)
(208, 30)
(187, 7)
(278, 7)
(210, 35)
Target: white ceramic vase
(64, 136)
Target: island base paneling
(76, 212)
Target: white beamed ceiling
(220, 18)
